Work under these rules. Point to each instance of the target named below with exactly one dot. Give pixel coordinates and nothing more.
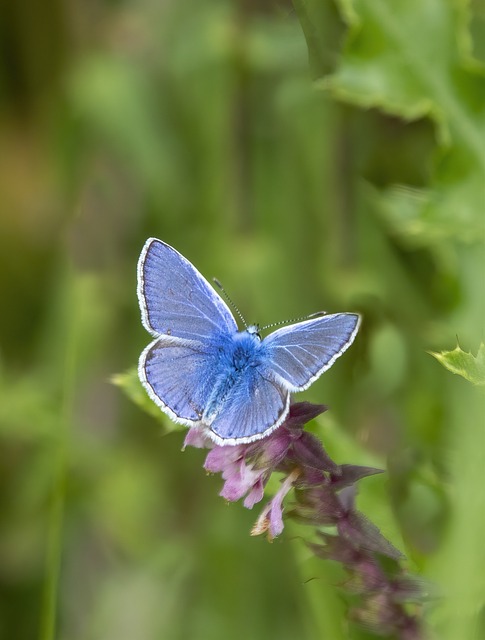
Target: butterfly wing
(179, 376)
(256, 405)
(301, 352)
(175, 299)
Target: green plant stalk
(54, 552)
(48, 621)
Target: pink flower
(196, 438)
(271, 517)
(240, 479)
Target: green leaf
(413, 59)
(131, 385)
(464, 364)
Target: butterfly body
(202, 371)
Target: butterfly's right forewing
(300, 353)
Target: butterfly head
(253, 330)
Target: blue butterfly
(202, 371)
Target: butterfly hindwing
(255, 406)
(175, 299)
(301, 352)
(179, 376)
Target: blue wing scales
(256, 406)
(301, 352)
(179, 376)
(175, 299)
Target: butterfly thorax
(243, 351)
(246, 347)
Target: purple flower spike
(324, 497)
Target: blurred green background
(326, 155)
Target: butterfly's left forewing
(175, 299)
(301, 352)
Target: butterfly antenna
(226, 296)
(309, 317)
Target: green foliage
(424, 67)
(413, 60)
(130, 383)
(464, 364)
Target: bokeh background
(317, 156)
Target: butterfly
(203, 372)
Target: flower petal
(220, 458)
(309, 452)
(255, 494)
(302, 412)
(195, 438)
